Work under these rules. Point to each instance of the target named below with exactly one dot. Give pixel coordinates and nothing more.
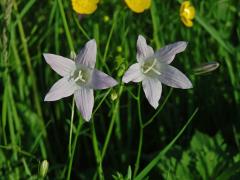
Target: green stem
(4, 114)
(73, 149)
(81, 28)
(109, 133)
(97, 152)
(159, 109)
(100, 103)
(32, 75)
(71, 129)
(68, 34)
(155, 161)
(77, 134)
(155, 24)
(28, 62)
(141, 133)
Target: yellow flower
(187, 13)
(138, 6)
(84, 6)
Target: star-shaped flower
(153, 69)
(78, 78)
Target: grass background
(32, 130)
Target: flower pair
(90, 6)
(81, 78)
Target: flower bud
(120, 72)
(114, 95)
(206, 67)
(119, 49)
(106, 18)
(43, 169)
(73, 55)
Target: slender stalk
(154, 162)
(81, 28)
(109, 133)
(140, 133)
(71, 129)
(28, 62)
(68, 34)
(159, 109)
(108, 42)
(4, 115)
(73, 149)
(34, 85)
(77, 134)
(100, 103)
(97, 152)
(155, 24)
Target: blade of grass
(81, 28)
(4, 115)
(159, 109)
(139, 153)
(80, 123)
(155, 24)
(97, 152)
(109, 133)
(154, 162)
(68, 34)
(71, 129)
(13, 136)
(24, 11)
(33, 78)
(212, 31)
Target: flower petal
(84, 100)
(101, 80)
(84, 7)
(184, 6)
(62, 88)
(152, 88)
(167, 53)
(192, 13)
(133, 74)
(187, 22)
(87, 55)
(63, 66)
(138, 6)
(143, 50)
(173, 77)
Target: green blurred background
(32, 130)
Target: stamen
(148, 69)
(80, 77)
(156, 71)
(152, 68)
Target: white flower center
(149, 67)
(81, 76)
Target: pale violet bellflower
(79, 77)
(153, 69)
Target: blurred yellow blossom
(187, 13)
(85, 6)
(138, 6)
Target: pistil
(80, 77)
(152, 68)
